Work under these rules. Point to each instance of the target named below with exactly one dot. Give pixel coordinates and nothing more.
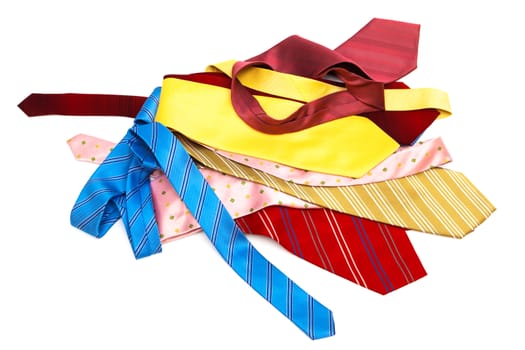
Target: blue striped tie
(120, 188)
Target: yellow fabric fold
(347, 146)
(305, 89)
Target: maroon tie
(299, 56)
(81, 104)
(385, 51)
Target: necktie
(404, 126)
(406, 161)
(395, 48)
(127, 196)
(240, 197)
(352, 153)
(343, 154)
(395, 43)
(397, 98)
(405, 116)
(468, 206)
(149, 146)
(81, 104)
(373, 255)
(376, 256)
(438, 200)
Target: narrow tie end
(25, 106)
(324, 332)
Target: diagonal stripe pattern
(119, 188)
(376, 256)
(438, 200)
(148, 146)
(373, 255)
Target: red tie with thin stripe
(376, 256)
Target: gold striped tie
(438, 200)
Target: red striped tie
(376, 256)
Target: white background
(62, 289)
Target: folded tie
(408, 112)
(405, 121)
(383, 51)
(337, 118)
(450, 204)
(406, 161)
(395, 165)
(373, 255)
(395, 44)
(240, 197)
(352, 153)
(438, 200)
(120, 189)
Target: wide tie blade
(386, 50)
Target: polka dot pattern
(90, 149)
(242, 197)
(406, 161)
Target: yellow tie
(305, 90)
(349, 146)
(205, 114)
(438, 200)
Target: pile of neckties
(317, 149)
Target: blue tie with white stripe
(120, 188)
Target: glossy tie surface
(119, 188)
(353, 153)
(375, 256)
(240, 197)
(363, 145)
(394, 45)
(149, 146)
(404, 120)
(81, 104)
(406, 114)
(438, 200)
(382, 51)
(406, 161)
